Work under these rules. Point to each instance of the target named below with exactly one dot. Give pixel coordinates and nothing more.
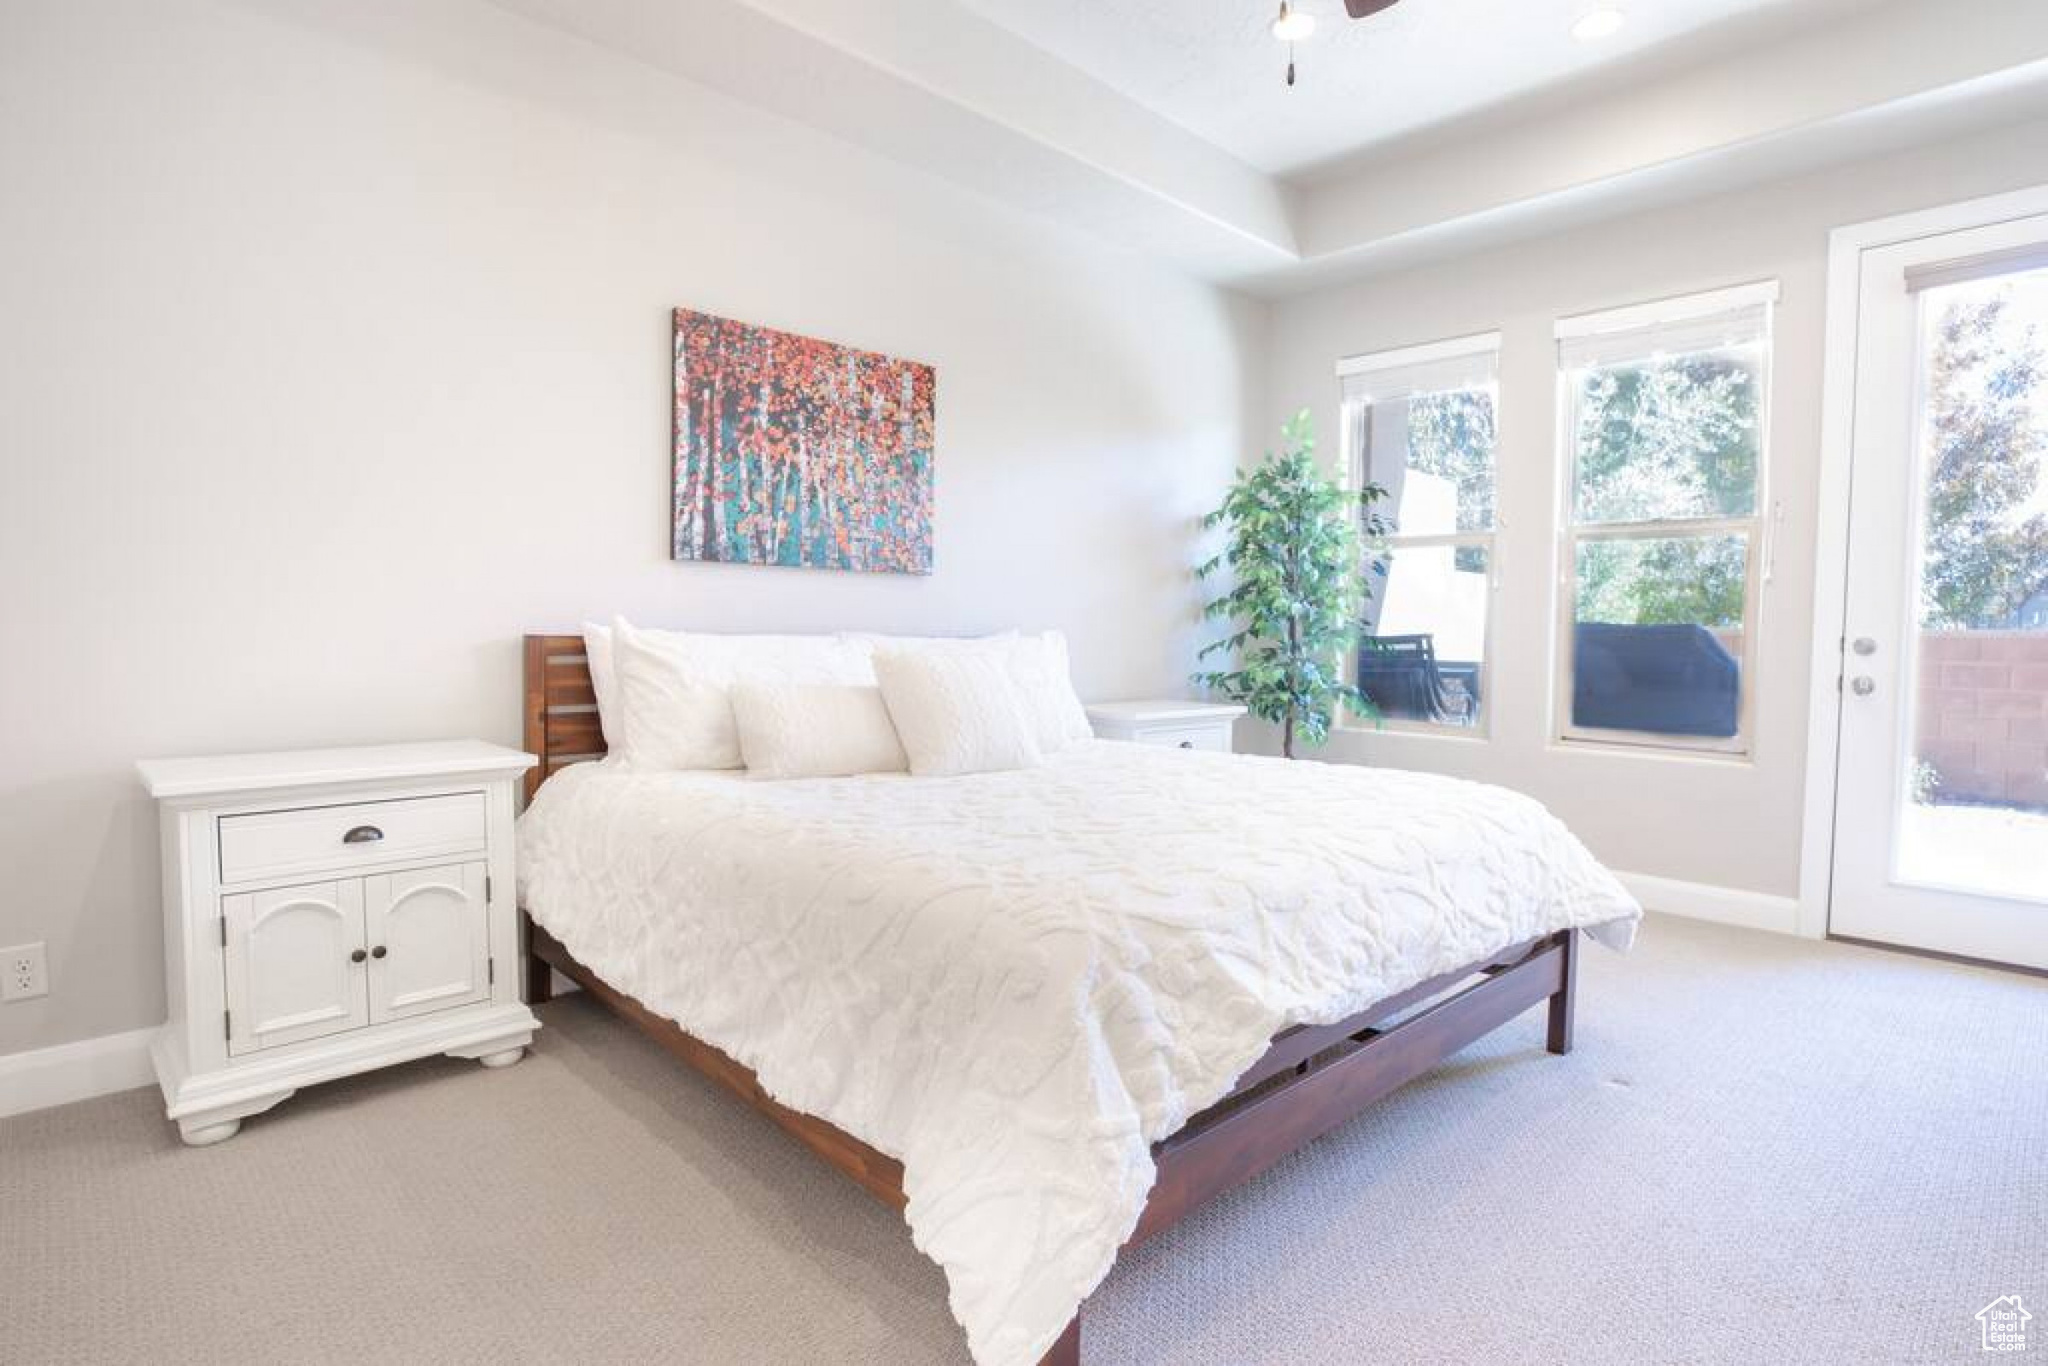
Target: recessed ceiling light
(1292, 26)
(1595, 24)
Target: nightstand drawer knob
(358, 956)
(377, 952)
(1187, 744)
(362, 834)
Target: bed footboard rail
(1327, 1075)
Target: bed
(1046, 1013)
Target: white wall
(1733, 825)
(334, 354)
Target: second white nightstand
(330, 911)
(1175, 724)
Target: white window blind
(1740, 316)
(1984, 265)
(1437, 367)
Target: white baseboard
(44, 1077)
(75, 1071)
(1723, 905)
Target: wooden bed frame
(1313, 1078)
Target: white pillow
(1038, 666)
(956, 711)
(815, 730)
(674, 688)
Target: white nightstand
(331, 911)
(1176, 724)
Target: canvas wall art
(799, 452)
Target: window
(1419, 422)
(1664, 413)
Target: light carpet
(1764, 1150)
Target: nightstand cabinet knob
(377, 952)
(358, 956)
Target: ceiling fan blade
(1363, 9)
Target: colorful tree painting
(795, 451)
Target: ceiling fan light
(1292, 26)
(1604, 21)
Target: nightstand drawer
(334, 838)
(1207, 736)
(1168, 724)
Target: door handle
(1864, 645)
(1863, 685)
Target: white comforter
(1017, 982)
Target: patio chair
(1401, 676)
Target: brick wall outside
(1983, 721)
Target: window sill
(1650, 747)
(1470, 734)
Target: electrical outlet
(24, 972)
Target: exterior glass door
(1941, 835)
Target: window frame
(1758, 526)
(1451, 349)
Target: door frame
(1846, 246)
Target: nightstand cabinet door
(429, 939)
(294, 966)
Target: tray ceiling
(1442, 125)
(1212, 67)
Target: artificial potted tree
(1294, 557)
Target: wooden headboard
(561, 708)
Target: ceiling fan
(1292, 25)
